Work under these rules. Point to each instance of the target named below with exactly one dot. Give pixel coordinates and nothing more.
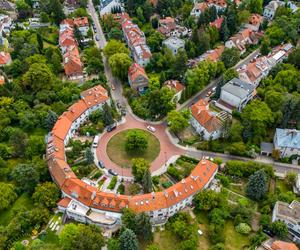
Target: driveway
(167, 148)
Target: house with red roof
(82, 23)
(5, 59)
(198, 9)
(255, 20)
(138, 78)
(177, 87)
(204, 121)
(243, 38)
(217, 23)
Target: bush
(243, 228)
(97, 175)
(225, 181)
(166, 184)
(121, 189)
(112, 183)
(173, 171)
(155, 180)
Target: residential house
(217, 23)
(255, 71)
(287, 142)
(270, 9)
(174, 44)
(212, 55)
(9, 8)
(135, 40)
(71, 58)
(5, 59)
(5, 25)
(106, 6)
(198, 9)
(290, 215)
(177, 87)
(35, 4)
(138, 78)
(35, 23)
(70, 6)
(255, 20)
(82, 23)
(204, 121)
(279, 53)
(243, 38)
(235, 95)
(218, 4)
(166, 26)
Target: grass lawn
(233, 239)
(51, 238)
(117, 153)
(23, 201)
(166, 240)
(280, 184)
(203, 225)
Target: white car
(151, 129)
(200, 232)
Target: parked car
(151, 129)
(97, 38)
(101, 164)
(209, 93)
(113, 87)
(112, 172)
(111, 127)
(119, 105)
(123, 111)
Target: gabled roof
(204, 117)
(81, 21)
(64, 202)
(136, 70)
(238, 88)
(217, 23)
(175, 85)
(61, 127)
(288, 138)
(94, 96)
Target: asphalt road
(117, 96)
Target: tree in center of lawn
(257, 186)
(136, 141)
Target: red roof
(201, 113)
(174, 84)
(64, 202)
(2, 80)
(4, 58)
(282, 245)
(217, 23)
(94, 96)
(135, 70)
(81, 21)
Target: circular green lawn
(117, 153)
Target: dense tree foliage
(136, 140)
(257, 186)
(128, 240)
(139, 168)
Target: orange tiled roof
(81, 21)
(135, 71)
(94, 96)
(64, 202)
(201, 6)
(4, 58)
(217, 23)
(174, 84)
(215, 54)
(76, 110)
(201, 113)
(61, 127)
(2, 80)
(55, 148)
(255, 19)
(282, 245)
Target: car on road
(113, 87)
(119, 105)
(123, 111)
(209, 93)
(112, 172)
(111, 127)
(151, 129)
(101, 164)
(97, 38)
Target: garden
(130, 144)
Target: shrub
(155, 180)
(112, 183)
(243, 228)
(225, 181)
(166, 184)
(121, 189)
(173, 171)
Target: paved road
(214, 83)
(136, 122)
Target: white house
(235, 95)
(290, 215)
(198, 9)
(270, 9)
(106, 6)
(174, 44)
(287, 141)
(204, 121)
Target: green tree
(154, 41)
(136, 140)
(230, 74)
(143, 227)
(35, 146)
(50, 120)
(224, 32)
(25, 177)
(128, 218)
(128, 240)
(230, 57)
(89, 156)
(206, 200)
(114, 47)
(265, 47)
(243, 16)
(255, 6)
(18, 140)
(7, 195)
(153, 247)
(119, 64)
(290, 179)
(256, 117)
(243, 228)
(113, 244)
(178, 121)
(46, 194)
(294, 57)
(147, 182)
(38, 77)
(280, 229)
(257, 186)
(139, 167)
(40, 41)
(107, 115)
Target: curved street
(169, 143)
